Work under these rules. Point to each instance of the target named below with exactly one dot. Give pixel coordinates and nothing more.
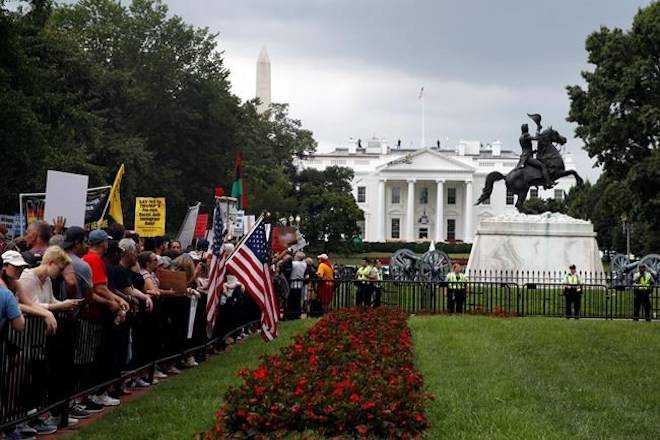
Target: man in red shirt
(98, 242)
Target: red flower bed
(352, 374)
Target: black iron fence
(42, 373)
(506, 293)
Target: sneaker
(44, 428)
(190, 362)
(159, 375)
(155, 381)
(16, 435)
(92, 407)
(105, 400)
(79, 412)
(73, 422)
(26, 431)
(141, 383)
(173, 370)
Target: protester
(174, 249)
(9, 309)
(3, 238)
(326, 276)
(37, 235)
(12, 267)
(78, 274)
(37, 283)
(112, 304)
(309, 288)
(296, 283)
(148, 262)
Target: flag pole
(423, 120)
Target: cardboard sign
(66, 196)
(174, 280)
(237, 227)
(150, 216)
(202, 224)
(12, 223)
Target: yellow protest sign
(150, 216)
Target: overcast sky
(355, 68)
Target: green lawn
(540, 378)
(184, 406)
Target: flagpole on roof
(421, 98)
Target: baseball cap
(322, 257)
(13, 258)
(72, 236)
(98, 236)
(127, 245)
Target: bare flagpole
(423, 140)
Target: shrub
(351, 375)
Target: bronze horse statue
(520, 180)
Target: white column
(410, 211)
(439, 210)
(467, 221)
(380, 212)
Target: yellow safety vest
(644, 281)
(363, 273)
(572, 279)
(456, 282)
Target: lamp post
(625, 223)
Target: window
(396, 228)
(423, 233)
(362, 194)
(509, 197)
(559, 194)
(451, 229)
(424, 196)
(451, 196)
(396, 195)
(534, 193)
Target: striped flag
(218, 269)
(250, 264)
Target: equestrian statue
(541, 170)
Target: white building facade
(428, 194)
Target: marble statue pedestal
(543, 242)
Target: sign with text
(201, 226)
(66, 196)
(150, 216)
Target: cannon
(405, 265)
(622, 268)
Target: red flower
(362, 429)
(368, 405)
(355, 397)
(260, 373)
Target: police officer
(365, 274)
(642, 286)
(456, 290)
(572, 293)
(378, 286)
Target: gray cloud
(354, 68)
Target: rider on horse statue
(527, 156)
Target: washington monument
(263, 80)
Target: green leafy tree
(618, 117)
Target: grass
(186, 405)
(539, 378)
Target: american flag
(218, 269)
(250, 264)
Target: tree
(618, 117)
(329, 211)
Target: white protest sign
(66, 196)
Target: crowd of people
(112, 278)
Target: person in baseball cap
(13, 258)
(97, 237)
(73, 236)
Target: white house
(427, 194)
